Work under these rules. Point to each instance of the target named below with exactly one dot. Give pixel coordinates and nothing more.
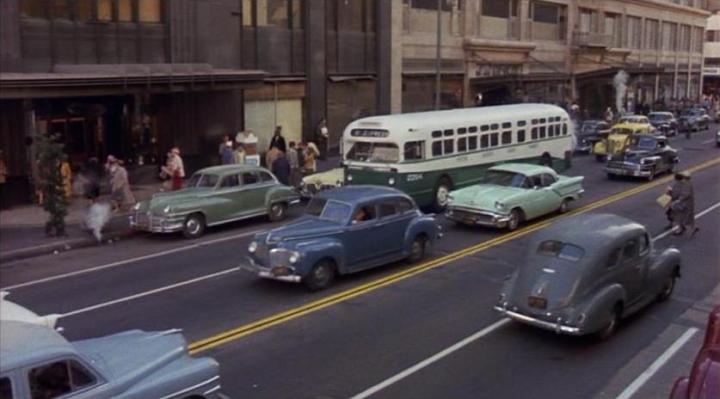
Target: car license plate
(536, 302)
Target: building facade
(560, 51)
(711, 73)
(134, 77)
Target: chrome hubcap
(277, 210)
(193, 226)
(320, 274)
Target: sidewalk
(22, 228)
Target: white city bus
(427, 154)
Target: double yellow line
(278, 318)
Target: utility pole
(437, 55)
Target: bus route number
(414, 177)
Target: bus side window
(534, 133)
(437, 133)
(484, 141)
(506, 125)
(414, 150)
(558, 128)
(521, 123)
(449, 147)
(448, 132)
(493, 140)
(565, 129)
(472, 143)
(521, 136)
(484, 128)
(494, 126)
(462, 144)
(462, 130)
(542, 132)
(473, 129)
(437, 148)
(551, 130)
(507, 137)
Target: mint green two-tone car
(214, 196)
(512, 193)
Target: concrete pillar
(383, 44)
(315, 68)
(396, 59)
(525, 34)
(10, 56)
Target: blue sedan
(343, 230)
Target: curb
(62, 246)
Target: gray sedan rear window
(561, 250)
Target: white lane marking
(697, 216)
(151, 292)
(708, 141)
(127, 261)
(407, 372)
(657, 364)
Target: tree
(50, 156)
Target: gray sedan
(583, 274)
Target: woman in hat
(682, 207)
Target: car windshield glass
(622, 131)
(505, 178)
(374, 152)
(333, 211)
(561, 250)
(588, 127)
(202, 180)
(645, 142)
(659, 117)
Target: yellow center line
(299, 311)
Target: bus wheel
(442, 192)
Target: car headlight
(499, 206)
(136, 207)
(294, 258)
(252, 247)
(166, 209)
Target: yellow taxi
(618, 139)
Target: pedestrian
(271, 156)
(175, 169)
(227, 155)
(609, 116)
(311, 153)
(239, 154)
(222, 145)
(281, 169)
(682, 206)
(120, 193)
(66, 173)
(292, 156)
(278, 141)
(323, 138)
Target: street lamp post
(437, 55)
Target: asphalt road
(373, 330)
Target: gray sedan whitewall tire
(610, 328)
(667, 289)
(193, 226)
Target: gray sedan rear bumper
(557, 327)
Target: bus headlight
(252, 247)
(391, 181)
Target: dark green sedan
(214, 196)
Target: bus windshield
(507, 179)
(374, 152)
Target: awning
(84, 80)
(346, 78)
(520, 78)
(630, 70)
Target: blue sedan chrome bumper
(557, 327)
(285, 273)
(628, 171)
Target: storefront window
(296, 11)
(150, 11)
(83, 10)
(34, 8)
(61, 9)
(276, 13)
(104, 10)
(125, 10)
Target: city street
(424, 330)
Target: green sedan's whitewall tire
(193, 226)
(514, 220)
(277, 211)
(565, 206)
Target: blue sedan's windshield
(333, 211)
(561, 250)
(646, 143)
(507, 179)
